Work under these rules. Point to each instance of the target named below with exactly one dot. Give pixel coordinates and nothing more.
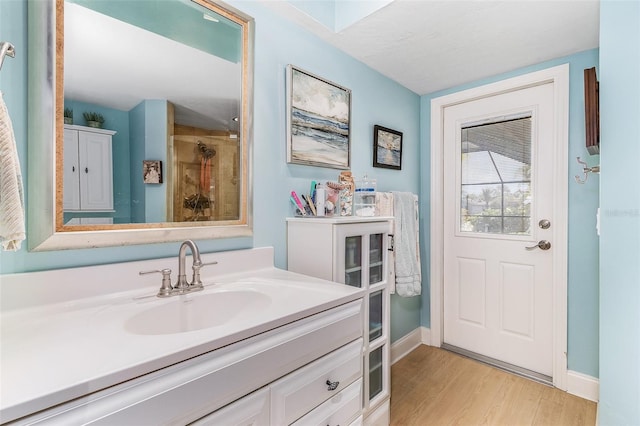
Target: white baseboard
(578, 384)
(401, 347)
(582, 385)
(425, 334)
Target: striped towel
(12, 229)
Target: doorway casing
(559, 77)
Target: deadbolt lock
(544, 224)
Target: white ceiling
(430, 45)
(425, 45)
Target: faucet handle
(165, 288)
(196, 282)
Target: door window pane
(495, 190)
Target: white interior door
(498, 227)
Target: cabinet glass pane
(375, 258)
(375, 315)
(353, 261)
(375, 373)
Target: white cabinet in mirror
(103, 59)
(88, 170)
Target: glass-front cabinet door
(362, 252)
(363, 258)
(353, 260)
(376, 258)
(376, 372)
(354, 251)
(377, 380)
(375, 315)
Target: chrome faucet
(182, 285)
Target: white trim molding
(404, 345)
(584, 386)
(559, 77)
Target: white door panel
(498, 184)
(471, 286)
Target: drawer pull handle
(331, 386)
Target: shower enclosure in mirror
(172, 81)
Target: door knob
(542, 245)
(544, 224)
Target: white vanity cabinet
(274, 378)
(326, 391)
(88, 169)
(353, 251)
(323, 382)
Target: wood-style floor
(431, 386)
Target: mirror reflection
(153, 114)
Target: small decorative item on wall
(592, 110)
(318, 121)
(152, 171)
(387, 148)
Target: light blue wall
(583, 203)
(155, 148)
(375, 100)
(148, 130)
(189, 28)
(620, 207)
(137, 155)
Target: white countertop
(55, 352)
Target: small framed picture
(152, 171)
(387, 148)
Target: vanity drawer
(342, 409)
(303, 390)
(252, 410)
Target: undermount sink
(195, 311)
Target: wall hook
(6, 49)
(586, 170)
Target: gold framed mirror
(170, 82)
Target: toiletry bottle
(320, 197)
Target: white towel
(384, 207)
(407, 244)
(12, 230)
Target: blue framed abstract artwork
(318, 121)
